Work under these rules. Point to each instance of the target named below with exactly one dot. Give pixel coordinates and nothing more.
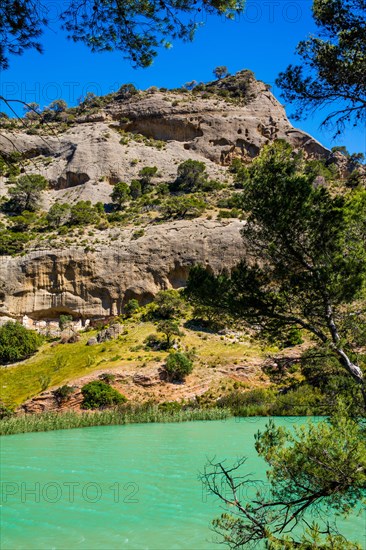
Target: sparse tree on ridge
(220, 72)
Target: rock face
(83, 161)
(231, 118)
(44, 284)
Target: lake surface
(122, 487)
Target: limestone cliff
(45, 283)
(85, 153)
(83, 160)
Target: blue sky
(263, 40)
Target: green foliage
(127, 91)
(191, 176)
(107, 377)
(63, 393)
(5, 411)
(83, 213)
(138, 234)
(305, 260)
(120, 194)
(125, 414)
(58, 106)
(146, 176)
(168, 304)
(178, 366)
(17, 343)
(131, 307)
(322, 371)
(332, 64)
(58, 214)
(12, 243)
(64, 320)
(135, 189)
(220, 72)
(26, 193)
(318, 168)
(316, 466)
(169, 328)
(105, 26)
(152, 341)
(185, 206)
(9, 164)
(303, 400)
(24, 222)
(98, 394)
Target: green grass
(65, 362)
(62, 363)
(130, 415)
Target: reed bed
(45, 422)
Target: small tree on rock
(120, 194)
(220, 72)
(191, 175)
(26, 193)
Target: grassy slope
(56, 365)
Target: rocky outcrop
(106, 147)
(46, 283)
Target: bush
(58, 214)
(63, 393)
(5, 411)
(191, 176)
(83, 213)
(131, 307)
(12, 243)
(17, 342)
(177, 367)
(135, 189)
(186, 206)
(26, 193)
(168, 304)
(98, 394)
(152, 341)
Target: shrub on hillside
(131, 307)
(168, 304)
(12, 243)
(178, 366)
(98, 394)
(17, 342)
(63, 393)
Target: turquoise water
(122, 487)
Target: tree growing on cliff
(58, 214)
(333, 64)
(120, 194)
(220, 72)
(83, 213)
(146, 176)
(305, 258)
(26, 193)
(191, 175)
